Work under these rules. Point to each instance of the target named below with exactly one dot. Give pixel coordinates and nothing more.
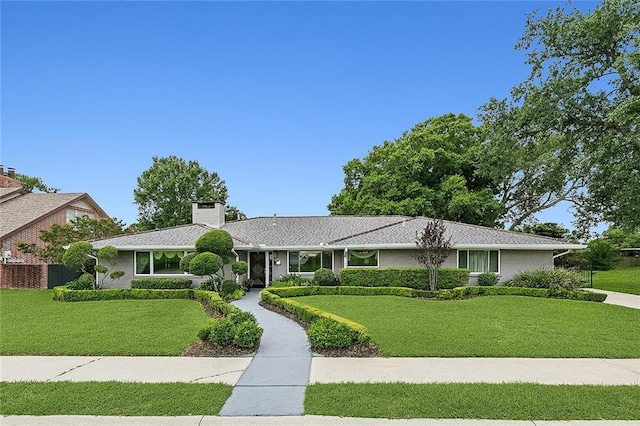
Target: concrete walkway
(621, 299)
(275, 382)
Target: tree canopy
(166, 190)
(570, 132)
(428, 171)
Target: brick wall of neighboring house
(31, 234)
(23, 276)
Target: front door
(258, 268)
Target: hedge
(309, 315)
(448, 294)
(161, 283)
(402, 277)
(62, 293)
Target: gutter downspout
(561, 254)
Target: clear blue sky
(273, 96)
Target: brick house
(22, 216)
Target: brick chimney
(8, 180)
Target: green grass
(112, 398)
(491, 326)
(625, 280)
(34, 324)
(514, 401)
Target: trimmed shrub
(487, 279)
(86, 280)
(247, 334)
(324, 276)
(239, 268)
(216, 241)
(205, 332)
(547, 278)
(326, 333)
(222, 332)
(161, 283)
(205, 264)
(241, 316)
(184, 262)
(402, 277)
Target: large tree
(166, 190)
(428, 171)
(570, 131)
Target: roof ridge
(404, 220)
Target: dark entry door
(257, 268)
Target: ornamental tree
(433, 249)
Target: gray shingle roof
(184, 236)
(332, 231)
(20, 211)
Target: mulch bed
(207, 348)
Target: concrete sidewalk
(292, 420)
(143, 369)
(549, 371)
(324, 370)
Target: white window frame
(151, 271)
(346, 260)
(309, 251)
(488, 260)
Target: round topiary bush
(205, 264)
(86, 280)
(324, 276)
(239, 268)
(487, 279)
(184, 262)
(215, 241)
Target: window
(362, 258)
(74, 214)
(159, 262)
(309, 261)
(478, 261)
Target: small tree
(433, 249)
(207, 264)
(107, 254)
(79, 256)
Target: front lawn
(34, 324)
(513, 401)
(490, 326)
(112, 398)
(625, 280)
